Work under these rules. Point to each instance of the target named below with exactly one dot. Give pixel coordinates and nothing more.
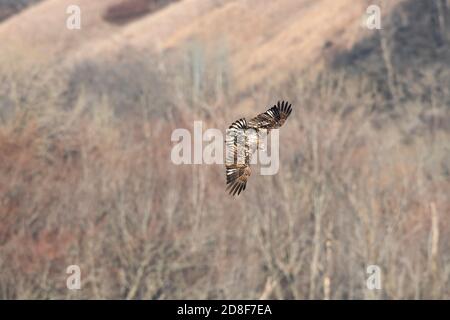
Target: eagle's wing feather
(272, 118)
(237, 176)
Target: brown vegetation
(86, 178)
(127, 10)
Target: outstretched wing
(237, 175)
(272, 118)
(237, 157)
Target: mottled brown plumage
(243, 140)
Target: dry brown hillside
(260, 37)
(9, 8)
(39, 33)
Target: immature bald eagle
(243, 139)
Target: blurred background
(86, 177)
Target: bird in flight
(243, 139)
